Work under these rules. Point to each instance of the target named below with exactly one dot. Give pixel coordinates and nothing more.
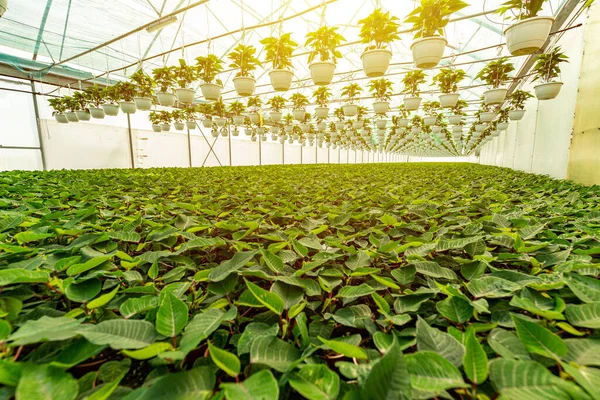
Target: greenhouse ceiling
(59, 34)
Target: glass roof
(52, 31)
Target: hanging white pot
(350, 110)
(274, 138)
(305, 127)
(487, 116)
(454, 119)
(165, 99)
(376, 62)
(220, 121)
(275, 116)
(143, 103)
(403, 122)
(428, 51)
(83, 115)
(282, 140)
(340, 125)
(191, 125)
(165, 127)
(415, 130)
(547, 91)
(428, 121)
(185, 95)
(263, 138)
(495, 96)
(72, 117)
(321, 126)
(238, 119)
(516, 115)
(502, 126)
(449, 100)
(274, 129)
(254, 117)
(128, 107)
(281, 79)
(156, 128)
(381, 107)
(358, 124)
(528, 36)
(235, 132)
(412, 103)
(322, 72)
(381, 123)
(480, 127)
(288, 128)
(291, 141)
(97, 113)
(211, 91)
(299, 114)
(244, 85)
(224, 132)
(179, 126)
(207, 123)
(322, 112)
(61, 118)
(253, 138)
(436, 129)
(495, 133)
(111, 110)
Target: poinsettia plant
(378, 30)
(431, 16)
(279, 50)
(323, 44)
(243, 57)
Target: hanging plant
(299, 103)
(546, 70)
(447, 81)
(279, 53)
(429, 21)
(95, 95)
(83, 111)
(144, 85)
(322, 95)
(208, 69)
(350, 93)
(517, 100)
(254, 104)
(166, 118)
(185, 76)
(494, 74)
(244, 59)
(127, 92)
(178, 116)
(277, 103)
(155, 120)
(59, 108)
(112, 97)
(165, 79)
(323, 44)
(377, 31)
(381, 89)
(412, 81)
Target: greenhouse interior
(299, 199)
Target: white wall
(540, 142)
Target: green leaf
(583, 351)
(389, 378)
(274, 262)
(120, 333)
(316, 382)
(455, 309)
(138, 305)
(584, 315)
(381, 303)
(88, 265)
(102, 300)
(45, 329)
(346, 349)
(538, 339)
(355, 291)
(432, 339)
(431, 372)
(27, 237)
(585, 288)
(475, 361)
(85, 291)
(587, 378)
(225, 360)
(507, 344)
(203, 325)
(273, 353)
(12, 276)
(268, 299)
(148, 352)
(197, 383)
(261, 385)
(39, 382)
(227, 267)
(433, 269)
(172, 316)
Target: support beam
(130, 141)
(38, 126)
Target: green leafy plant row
(406, 281)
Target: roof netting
(52, 31)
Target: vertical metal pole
(259, 149)
(328, 155)
(316, 153)
(230, 159)
(339, 156)
(130, 141)
(37, 124)
(189, 138)
(301, 154)
(283, 153)
(354, 156)
(347, 156)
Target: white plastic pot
(299, 114)
(495, 133)
(350, 110)
(207, 123)
(128, 107)
(457, 129)
(528, 36)
(288, 128)
(436, 129)
(495, 96)
(321, 126)
(281, 79)
(156, 128)
(220, 121)
(428, 51)
(449, 100)
(179, 126)
(428, 121)
(381, 123)
(165, 127)
(235, 132)
(191, 125)
(322, 112)
(238, 119)
(72, 117)
(403, 122)
(376, 62)
(454, 119)
(282, 140)
(358, 124)
(253, 138)
(516, 115)
(244, 85)
(143, 103)
(381, 107)
(487, 116)
(224, 133)
(340, 125)
(185, 95)
(214, 133)
(274, 130)
(480, 127)
(322, 72)
(83, 115)
(275, 116)
(97, 113)
(211, 91)
(305, 127)
(61, 118)
(548, 91)
(502, 126)
(166, 99)
(412, 103)
(254, 118)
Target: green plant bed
(392, 281)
